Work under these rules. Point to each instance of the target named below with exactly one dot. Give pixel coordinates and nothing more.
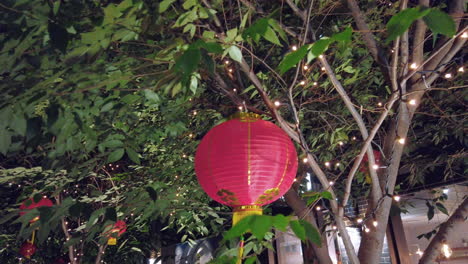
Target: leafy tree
(104, 103)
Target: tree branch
(417, 50)
(446, 231)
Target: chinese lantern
(27, 249)
(43, 202)
(119, 228)
(245, 163)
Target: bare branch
(297, 10)
(369, 39)
(417, 49)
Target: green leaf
(18, 124)
(238, 229)
(298, 229)
(130, 98)
(442, 208)
(399, 23)
(293, 58)
(430, 211)
(260, 225)
(326, 195)
(235, 53)
(188, 62)
(107, 107)
(152, 193)
(114, 143)
(250, 260)
(270, 35)
(152, 96)
(280, 222)
(440, 22)
(5, 141)
(320, 46)
(115, 155)
(133, 155)
(344, 36)
(164, 5)
(312, 233)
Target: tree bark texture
(445, 232)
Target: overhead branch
(377, 53)
(417, 47)
(297, 10)
(446, 231)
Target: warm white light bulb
(234, 90)
(334, 227)
(226, 62)
(240, 108)
(331, 183)
(230, 70)
(323, 68)
(413, 66)
(327, 164)
(315, 83)
(321, 56)
(194, 112)
(448, 76)
(359, 220)
(306, 67)
(412, 102)
(401, 141)
(353, 138)
(340, 143)
(419, 252)
(375, 223)
(277, 103)
(464, 35)
(302, 83)
(294, 47)
(304, 160)
(397, 198)
(337, 164)
(445, 190)
(375, 167)
(318, 208)
(379, 104)
(446, 250)
(367, 230)
(461, 69)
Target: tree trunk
(300, 209)
(101, 250)
(446, 230)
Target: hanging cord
(241, 250)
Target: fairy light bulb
(461, 69)
(240, 108)
(323, 68)
(315, 83)
(295, 180)
(294, 48)
(302, 82)
(413, 66)
(464, 35)
(445, 190)
(359, 220)
(353, 138)
(321, 56)
(366, 229)
(318, 208)
(334, 227)
(226, 62)
(448, 76)
(234, 90)
(194, 112)
(277, 103)
(412, 102)
(397, 198)
(401, 141)
(230, 70)
(379, 104)
(331, 183)
(340, 143)
(305, 67)
(446, 250)
(304, 160)
(327, 164)
(419, 252)
(375, 223)
(337, 164)
(375, 167)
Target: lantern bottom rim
(240, 212)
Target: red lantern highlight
(119, 228)
(24, 207)
(365, 161)
(27, 249)
(245, 163)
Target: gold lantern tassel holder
(240, 213)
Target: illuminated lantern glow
(365, 160)
(27, 249)
(25, 206)
(246, 162)
(119, 228)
